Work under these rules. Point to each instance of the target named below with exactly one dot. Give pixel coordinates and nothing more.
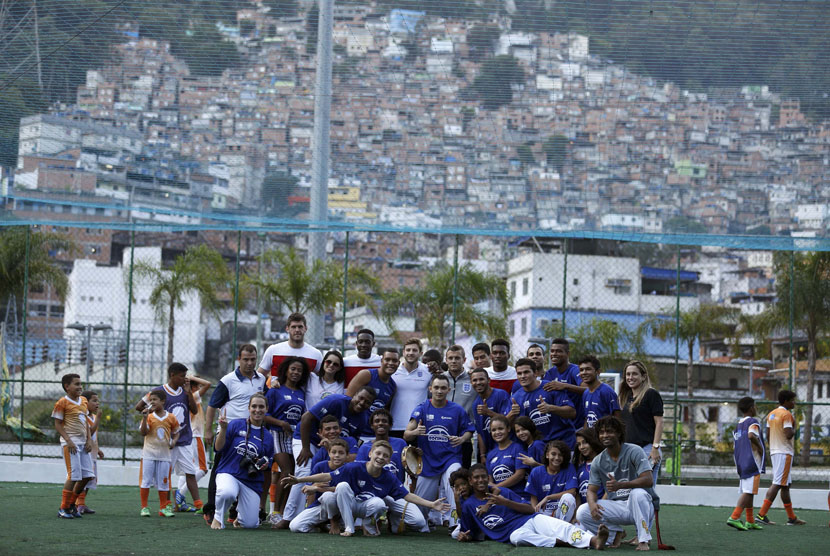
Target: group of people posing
(311, 442)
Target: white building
(98, 295)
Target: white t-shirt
(412, 390)
(278, 353)
(354, 364)
(316, 389)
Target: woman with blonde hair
(642, 413)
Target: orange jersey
(73, 414)
(779, 419)
(157, 439)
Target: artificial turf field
(29, 525)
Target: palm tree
(44, 269)
(810, 309)
(301, 289)
(614, 344)
(199, 269)
(432, 303)
(704, 321)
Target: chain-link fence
(707, 318)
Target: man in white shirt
(364, 358)
(295, 346)
(412, 378)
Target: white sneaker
(274, 518)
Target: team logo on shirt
(502, 473)
(361, 484)
(294, 413)
(538, 417)
(467, 388)
(160, 433)
(591, 419)
(491, 521)
(438, 433)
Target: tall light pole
(320, 157)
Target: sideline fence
(619, 295)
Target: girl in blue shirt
(286, 405)
(587, 448)
(553, 487)
(503, 463)
(247, 451)
(534, 449)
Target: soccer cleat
(65, 514)
(737, 524)
(796, 521)
(179, 498)
(764, 519)
(145, 512)
(755, 526)
(166, 512)
(189, 508)
(75, 511)
(200, 511)
(86, 510)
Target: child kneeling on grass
(749, 459)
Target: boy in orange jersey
(781, 425)
(92, 421)
(160, 429)
(70, 422)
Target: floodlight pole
(320, 158)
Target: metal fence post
(454, 290)
(345, 295)
(564, 287)
(27, 254)
(127, 350)
(792, 317)
(236, 295)
(675, 474)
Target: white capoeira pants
(638, 510)
(438, 486)
(228, 489)
(411, 513)
(296, 499)
(307, 520)
(343, 503)
(544, 530)
(565, 508)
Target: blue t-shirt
(385, 392)
(395, 464)
(499, 401)
(364, 485)
(320, 467)
(503, 464)
(441, 424)
(338, 405)
(549, 425)
(497, 523)
(286, 405)
(322, 454)
(571, 376)
(582, 476)
(541, 484)
(536, 451)
(599, 403)
(241, 439)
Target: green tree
(526, 155)
(432, 302)
(287, 279)
(44, 269)
(615, 345)
(481, 41)
(810, 307)
(705, 321)
(281, 8)
(206, 51)
(276, 188)
(683, 225)
(493, 84)
(200, 270)
(312, 21)
(556, 151)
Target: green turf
(29, 525)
